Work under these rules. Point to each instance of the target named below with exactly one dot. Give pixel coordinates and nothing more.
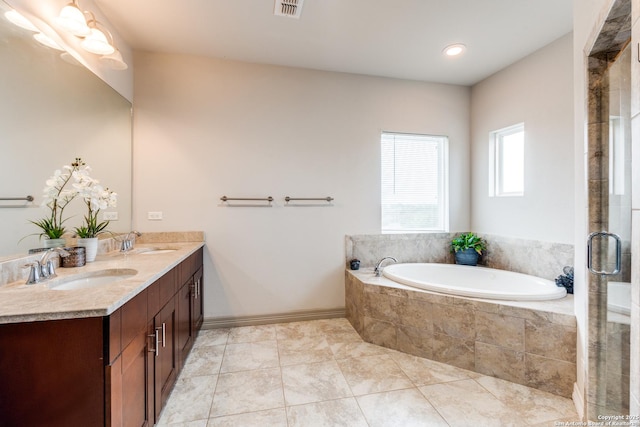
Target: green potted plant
(467, 248)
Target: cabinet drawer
(134, 318)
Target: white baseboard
(578, 400)
(296, 316)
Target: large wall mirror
(52, 110)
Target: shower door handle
(590, 253)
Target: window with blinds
(414, 183)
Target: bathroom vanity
(112, 358)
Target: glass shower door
(609, 255)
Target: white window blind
(414, 183)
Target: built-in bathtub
(477, 282)
(527, 342)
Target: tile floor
(321, 373)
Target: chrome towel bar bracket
(326, 199)
(27, 199)
(269, 199)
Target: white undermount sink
(153, 251)
(94, 278)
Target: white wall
(538, 91)
(204, 128)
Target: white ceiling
(391, 38)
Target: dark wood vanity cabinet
(116, 370)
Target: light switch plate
(110, 216)
(154, 216)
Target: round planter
(90, 245)
(54, 243)
(467, 257)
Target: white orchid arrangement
(96, 197)
(57, 195)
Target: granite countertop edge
(20, 303)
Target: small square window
(506, 162)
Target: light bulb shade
(114, 61)
(47, 41)
(96, 42)
(19, 20)
(73, 20)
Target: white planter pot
(90, 245)
(54, 243)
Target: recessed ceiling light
(454, 49)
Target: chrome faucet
(45, 268)
(127, 243)
(378, 270)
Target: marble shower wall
(534, 257)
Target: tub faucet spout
(378, 270)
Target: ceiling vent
(290, 8)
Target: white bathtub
(477, 282)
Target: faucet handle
(51, 268)
(34, 272)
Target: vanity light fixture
(96, 38)
(454, 49)
(97, 41)
(15, 18)
(47, 41)
(114, 61)
(72, 19)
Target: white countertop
(30, 303)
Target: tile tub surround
(533, 257)
(343, 382)
(28, 303)
(532, 343)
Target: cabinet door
(165, 361)
(185, 322)
(198, 302)
(131, 384)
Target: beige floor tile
(211, 337)
(190, 400)
(247, 391)
(373, 374)
(304, 350)
(297, 330)
(424, 371)
(332, 413)
(252, 334)
(269, 418)
(346, 350)
(205, 360)
(343, 336)
(334, 326)
(559, 422)
(534, 406)
(251, 355)
(406, 408)
(314, 382)
(466, 403)
(196, 423)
